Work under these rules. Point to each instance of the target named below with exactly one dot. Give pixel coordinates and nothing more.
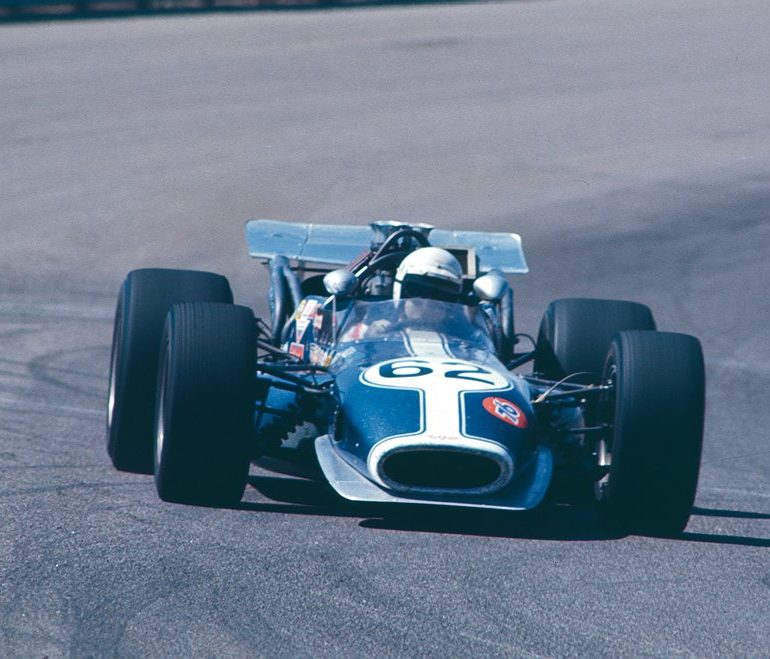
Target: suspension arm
(290, 382)
(580, 393)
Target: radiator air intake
(428, 465)
(440, 469)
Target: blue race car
(390, 362)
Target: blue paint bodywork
(403, 369)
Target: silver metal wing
(339, 244)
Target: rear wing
(339, 244)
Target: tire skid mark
(58, 311)
(16, 330)
(7, 631)
(44, 370)
(80, 372)
(60, 369)
(22, 431)
(13, 367)
(15, 405)
(709, 462)
(759, 369)
(4, 468)
(11, 374)
(58, 489)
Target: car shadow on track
(727, 539)
(720, 539)
(740, 514)
(296, 496)
(549, 522)
(302, 496)
(308, 497)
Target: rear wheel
(205, 404)
(654, 449)
(144, 300)
(575, 333)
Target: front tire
(144, 300)
(205, 404)
(654, 450)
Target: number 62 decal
(405, 369)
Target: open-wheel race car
(391, 363)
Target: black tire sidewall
(657, 430)
(143, 302)
(575, 334)
(208, 391)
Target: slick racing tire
(575, 333)
(656, 410)
(144, 300)
(205, 404)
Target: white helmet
(429, 272)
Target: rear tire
(205, 404)
(144, 300)
(575, 333)
(657, 411)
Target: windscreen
(390, 320)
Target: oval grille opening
(440, 469)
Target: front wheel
(656, 411)
(205, 404)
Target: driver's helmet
(429, 272)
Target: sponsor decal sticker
(505, 410)
(305, 317)
(298, 350)
(318, 320)
(320, 357)
(298, 311)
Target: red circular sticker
(506, 411)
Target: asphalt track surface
(629, 142)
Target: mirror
(490, 287)
(340, 283)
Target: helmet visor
(433, 288)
